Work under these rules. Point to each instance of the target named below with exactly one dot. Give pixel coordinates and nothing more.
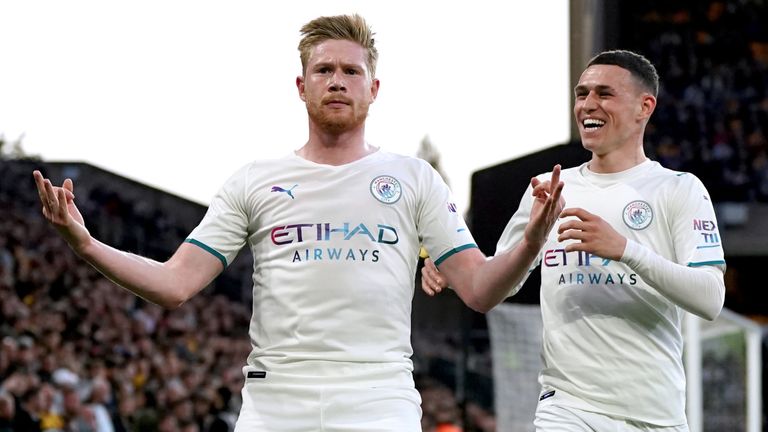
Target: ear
(374, 89)
(300, 87)
(648, 104)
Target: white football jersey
(335, 254)
(610, 340)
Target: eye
(352, 71)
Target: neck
(618, 160)
(335, 148)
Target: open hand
(60, 210)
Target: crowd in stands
(80, 354)
(712, 118)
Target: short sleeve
(224, 228)
(439, 221)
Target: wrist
(530, 248)
(83, 245)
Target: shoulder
(390, 157)
(255, 174)
(677, 180)
(408, 166)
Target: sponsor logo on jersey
(709, 233)
(590, 268)
(386, 189)
(638, 215)
(297, 234)
(301, 232)
(452, 207)
(288, 192)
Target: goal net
(723, 362)
(515, 335)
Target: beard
(337, 122)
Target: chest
(635, 212)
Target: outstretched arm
(699, 290)
(483, 283)
(167, 284)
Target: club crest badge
(638, 215)
(386, 189)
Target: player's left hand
(593, 233)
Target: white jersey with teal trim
(610, 340)
(335, 254)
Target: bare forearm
(499, 276)
(151, 280)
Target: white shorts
(372, 398)
(552, 416)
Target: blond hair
(340, 27)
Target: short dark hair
(637, 65)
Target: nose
(590, 102)
(336, 83)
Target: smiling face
(337, 86)
(611, 109)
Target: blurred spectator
(712, 59)
(7, 412)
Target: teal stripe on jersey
(209, 249)
(708, 246)
(453, 251)
(699, 264)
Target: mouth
(592, 124)
(336, 102)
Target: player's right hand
(431, 281)
(60, 210)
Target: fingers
(428, 285)
(54, 199)
(50, 195)
(61, 196)
(431, 281)
(572, 234)
(40, 185)
(573, 224)
(555, 175)
(541, 189)
(69, 187)
(577, 212)
(554, 198)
